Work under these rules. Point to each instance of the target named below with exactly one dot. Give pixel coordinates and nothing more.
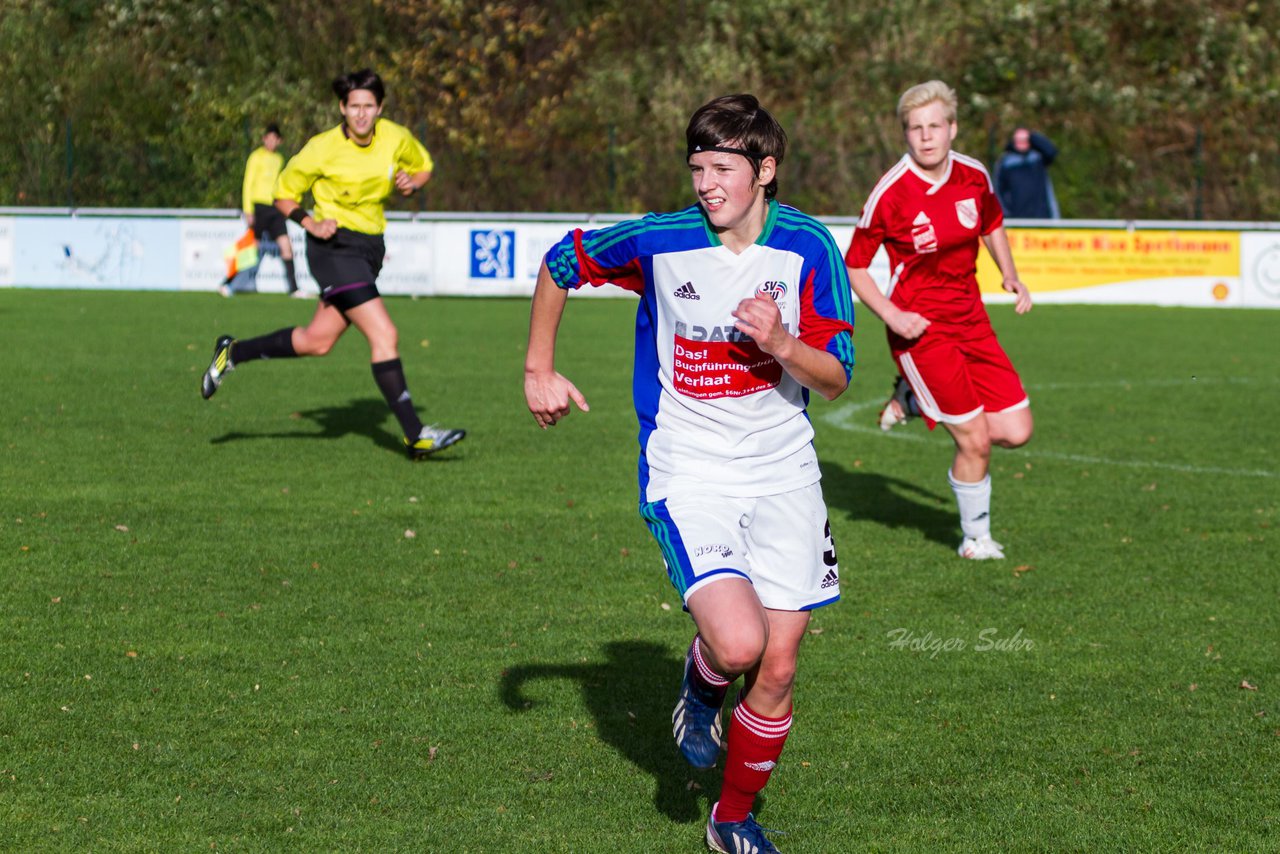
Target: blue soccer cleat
(738, 837)
(696, 721)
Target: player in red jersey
(929, 211)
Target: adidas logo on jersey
(831, 579)
(686, 291)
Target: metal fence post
(71, 166)
(1199, 170)
(612, 166)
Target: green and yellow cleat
(430, 440)
(219, 367)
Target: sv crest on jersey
(967, 213)
(775, 289)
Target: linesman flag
(241, 255)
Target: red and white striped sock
(713, 683)
(755, 743)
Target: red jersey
(930, 231)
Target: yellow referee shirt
(349, 182)
(260, 174)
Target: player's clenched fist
(324, 229)
(404, 183)
(908, 324)
(759, 317)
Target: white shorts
(780, 543)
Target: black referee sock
(274, 345)
(389, 376)
(290, 275)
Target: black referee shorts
(346, 267)
(268, 222)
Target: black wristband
(298, 214)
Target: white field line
(1138, 464)
(852, 418)
(1186, 381)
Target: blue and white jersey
(717, 413)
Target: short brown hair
(739, 124)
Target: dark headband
(750, 155)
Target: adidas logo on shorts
(686, 291)
(831, 579)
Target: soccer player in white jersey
(930, 211)
(744, 308)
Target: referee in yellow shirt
(350, 170)
(258, 200)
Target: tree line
(1163, 109)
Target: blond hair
(926, 93)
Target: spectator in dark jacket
(1022, 177)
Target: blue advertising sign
(493, 254)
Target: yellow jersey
(260, 174)
(350, 182)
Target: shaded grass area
(250, 623)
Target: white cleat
(895, 412)
(891, 416)
(981, 548)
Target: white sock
(974, 502)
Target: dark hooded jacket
(1022, 180)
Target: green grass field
(250, 624)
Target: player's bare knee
(776, 678)
(975, 447)
(312, 345)
(738, 651)
(1014, 438)
(1013, 433)
(740, 659)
